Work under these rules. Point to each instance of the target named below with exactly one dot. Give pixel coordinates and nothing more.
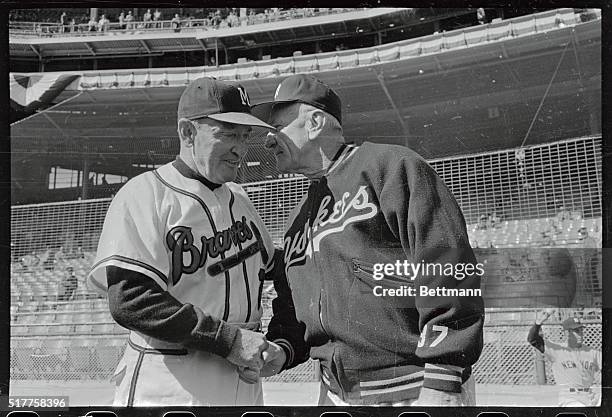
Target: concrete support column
(86, 190)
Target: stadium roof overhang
(418, 102)
(198, 39)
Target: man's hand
(544, 315)
(247, 350)
(274, 358)
(434, 398)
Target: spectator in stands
(129, 20)
(72, 25)
(493, 220)
(591, 258)
(122, 21)
(176, 23)
(147, 19)
(60, 257)
(104, 182)
(103, 24)
(47, 259)
(547, 239)
(232, 19)
(29, 262)
(563, 215)
(92, 25)
(189, 21)
(68, 285)
(216, 19)
(481, 16)
(157, 17)
(63, 19)
(482, 222)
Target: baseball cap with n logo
(207, 97)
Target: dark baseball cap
(302, 88)
(207, 97)
(571, 323)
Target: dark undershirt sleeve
(535, 339)
(139, 303)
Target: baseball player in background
(366, 206)
(576, 367)
(180, 256)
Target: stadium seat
(101, 304)
(26, 318)
(19, 330)
(83, 329)
(62, 330)
(64, 306)
(82, 318)
(39, 330)
(64, 318)
(103, 328)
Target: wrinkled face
(218, 149)
(575, 337)
(288, 141)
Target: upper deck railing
(182, 25)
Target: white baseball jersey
(576, 370)
(203, 247)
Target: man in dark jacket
(377, 261)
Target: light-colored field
(88, 393)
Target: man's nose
(270, 140)
(241, 149)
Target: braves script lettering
(180, 240)
(328, 220)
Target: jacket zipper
(310, 220)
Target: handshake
(255, 356)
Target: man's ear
(186, 131)
(315, 123)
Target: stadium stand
(46, 23)
(433, 44)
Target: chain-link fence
(76, 338)
(507, 357)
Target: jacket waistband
(386, 385)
